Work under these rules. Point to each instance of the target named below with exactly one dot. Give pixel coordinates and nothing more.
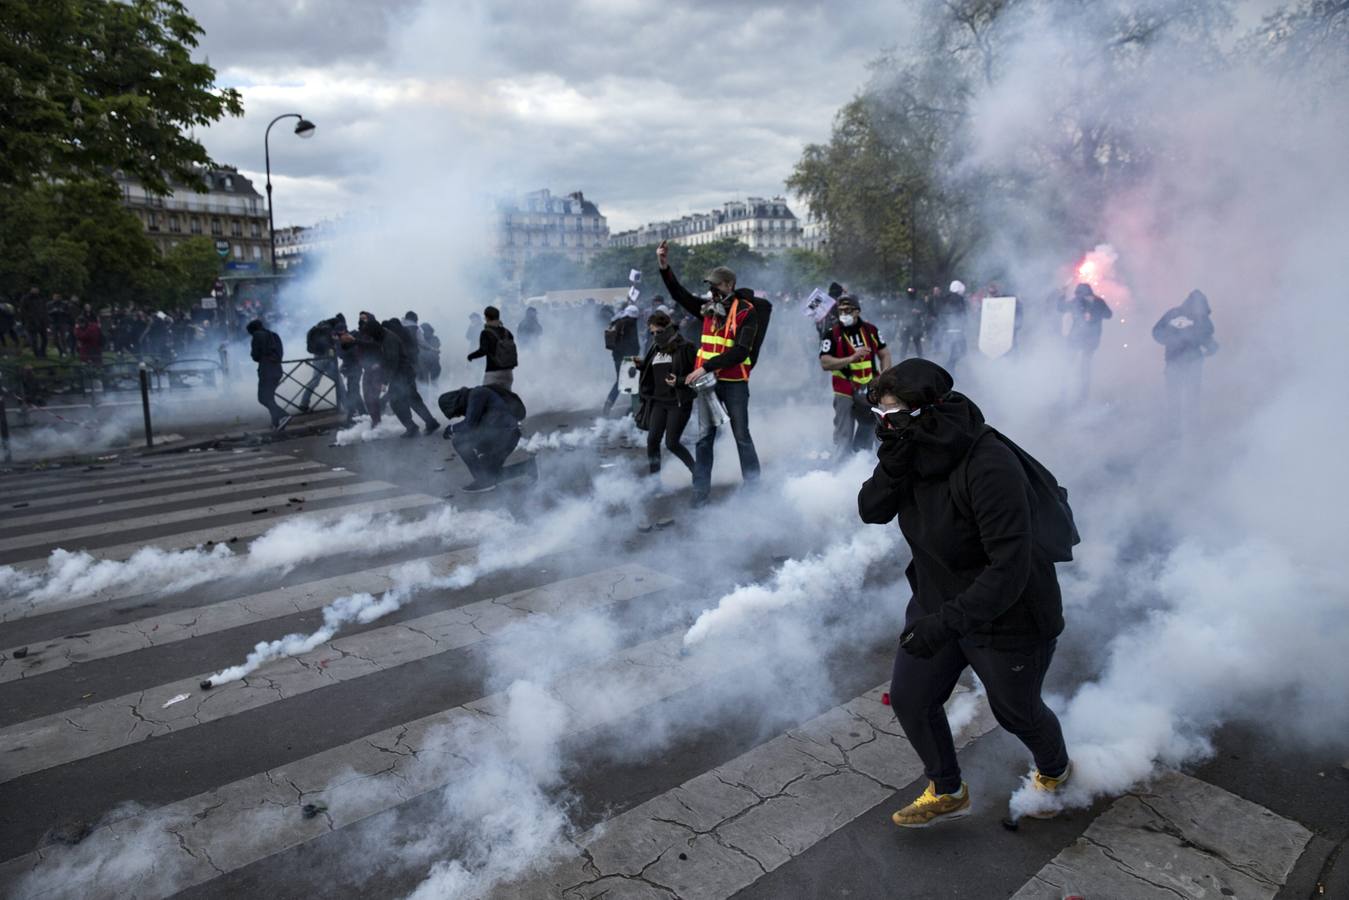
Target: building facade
(231, 212)
(297, 245)
(767, 226)
(539, 223)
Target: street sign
(242, 266)
(223, 248)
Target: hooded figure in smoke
(488, 433)
(1086, 312)
(985, 594)
(1186, 331)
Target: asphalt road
(740, 771)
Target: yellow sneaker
(1050, 786)
(932, 807)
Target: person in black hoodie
(380, 352)
(488, 434)
(984, 594)
(497, 344)
(403, 383)
(267, 352)
(1186, 331)
(1086, 311)
(663, 369)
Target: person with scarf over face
(984, 594)
(667, 362)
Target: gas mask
(715, 307)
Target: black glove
(895, 452)
(926, 636)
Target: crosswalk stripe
(298, 479)
(69, 537)
(242, 531)
(1181, 838)
(101, 493)
(192, 841)
(54, 740)
(199, 621)
(65, 478)
(722, 830)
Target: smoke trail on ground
(603, 431)
(362, 432)
(77, 574)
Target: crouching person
(488, 433)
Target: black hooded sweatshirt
(1186, 343)
(982, 573)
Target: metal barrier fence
(73, 385)
(311, 385)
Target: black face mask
(666, 336)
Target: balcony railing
(171, 204)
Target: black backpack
(1055, 531)
(505, 356)
(764, 310)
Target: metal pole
(4, 429)
(145, 404)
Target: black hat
(835, 290)
(410, 316)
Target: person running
(731, 330)
(669, 400)
(267, 351)
(497, 345)
(621, 340)
(852, 353)
(404, 398)
(985, 593)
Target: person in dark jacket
(319, 342)
(268, 352)
(951, 312)
(89, 341)
(349, 367)
(914, 315)
(403, 382)
(622, 341)
(530, 327)
(7, 330)
(488, 434)
(1086, 311)
(429, 361)
(1186, 331)
(380, 353)
(497, 345)
(33, 316)
(663, 369)
(984, 594)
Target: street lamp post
(305, 129)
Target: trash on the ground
(206, 685)
(439, 469)
(18, 506)
(257, 511)
(295, 500)
(1010, 824)
(175, 699)
(233, 539)
(71, 831)
(885, 699)
(20, 653)
(87, 696)
(683, 856)
(339, 468)
(313, 809)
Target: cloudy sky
(652, 108)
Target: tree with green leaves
(88, 87)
